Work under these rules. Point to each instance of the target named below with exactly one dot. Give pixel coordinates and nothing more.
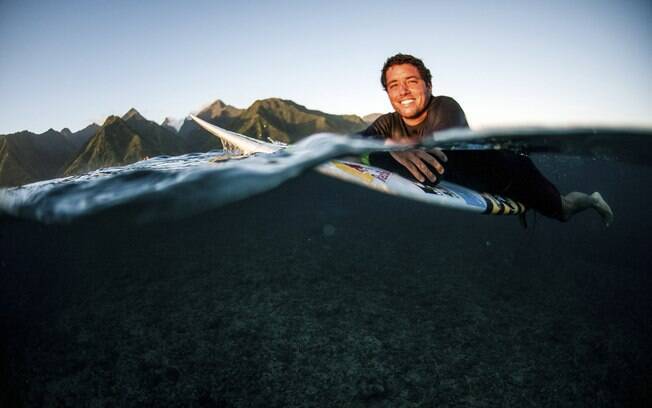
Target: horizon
(508, 64)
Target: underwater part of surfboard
(444, 194)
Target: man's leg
(575, 202)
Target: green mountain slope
(79, 138)
(159, 139)
(289, 122)
(125, 140)
(26, 157)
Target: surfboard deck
(444, 194)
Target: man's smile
(408, 93)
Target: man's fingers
(416, 162)
(432, 161)
(439, 154)
(421, 165)
(403, 159)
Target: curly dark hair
(399, 59)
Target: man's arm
(449, 115)
(379, 129)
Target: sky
(508, 63)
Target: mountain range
(26, 157)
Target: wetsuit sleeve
(379, 129)
(382, 129)
(450, 115)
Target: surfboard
(444, 194)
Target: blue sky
(551, 63)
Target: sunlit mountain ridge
(26, 157)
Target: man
(417, 113)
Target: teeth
(407, 102)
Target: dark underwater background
(320, 293)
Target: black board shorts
(492, 171)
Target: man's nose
(403, 89)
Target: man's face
(408, 92)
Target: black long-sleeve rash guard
(491, 171)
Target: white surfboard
(444, 194)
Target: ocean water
(258, 282)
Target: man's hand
(416, 162)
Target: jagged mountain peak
(92, 126)
(281, 106)
(66, 132)
(133, 114)
(276, 102)
(110, 120)
(218, 103)
(172, 124)
(50, 132)
(217, 109)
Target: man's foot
(602, 208)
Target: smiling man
(417, 113)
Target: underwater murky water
(314, 292)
